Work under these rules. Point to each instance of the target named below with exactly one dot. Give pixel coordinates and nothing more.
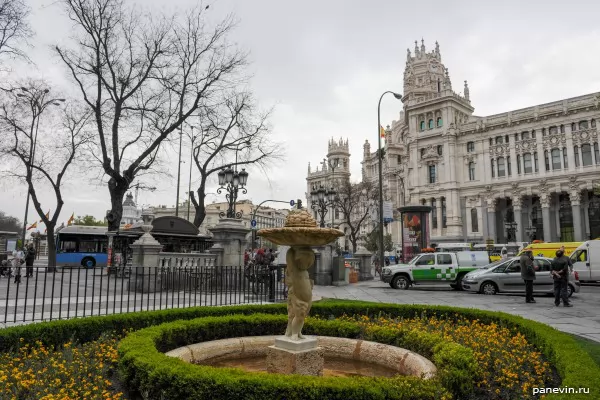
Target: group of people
(261, 256)
(12, 267)
(560, 270)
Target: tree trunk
(200, 205)
(51, 247)
(117, 192)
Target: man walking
(29, 259)
(560, 274)
(528, 275)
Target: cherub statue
(300, 286)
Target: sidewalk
(583, 319)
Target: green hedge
(574, 365)
(146, 369)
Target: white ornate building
(515, 176)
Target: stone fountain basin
(403, 361)
(300, 236)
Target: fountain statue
(300, 233)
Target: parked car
(434, 269)
(505, 277)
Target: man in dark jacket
(560, 274)
(29, 259)
(528, 275)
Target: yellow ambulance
(549, 249)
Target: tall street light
(320, 200)
(380, 156)
(193, 138)
(232, 181)
(178, 171)
(38, 104)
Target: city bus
(79, 245)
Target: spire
(437, 50)
(422, 46)
(416, 49)
(309, 167)
(408, 56)
(467, 91)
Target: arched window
(422, 126)
(474, 220)
(555, 153)
(553, 130)
(593, 123)
(506, 139)
(565, 160)
(439, 122)
(562, 129)
(516, 137)
(533, 134)
(524, 135)
(491, 141)
(583, 125)
(493, 168)
(543, 131)
(431, 126)
(440, 149)
(586, 155)
(527, 167)
(443, 212)
(508, 166)
(576, 151)
(518, 164)
(573, 127)
(471, 171)
(547, 160)
(470, 147)
(535, 162)
(498, 139)
(434, 213)
(597, 153)
(501, 167)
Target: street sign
(253, 223)
(292, 202)
(388, 211)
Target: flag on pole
(33, 226)
(47, 216)
(70, 221)
(381, 131)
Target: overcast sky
(323, 65)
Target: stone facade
(520, 175)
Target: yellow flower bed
(510, 366)
(72, 372)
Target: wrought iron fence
(81, 292)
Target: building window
(593, 123)
(576, 151)
(422, 152)
(440, 149)
(508, 166)
(583, 125)
(533, 134)
(501, 167)
(474, 220)
(555, 153)
(431, 124)
(470, 147)
(565, 160)
(586, 155)
(535, 162)
(573, 127)
(434, 213)
(527, 167)
(562, 129)
(547, 160)
(498, 139)
(399, 159)
(543, 131)
(518, 164)
(432, 174)
(422, 126)
(524, 135)
(491, 141)
(553, 130)
(597, 153)
(516, 137)
(439, 122)
(506, 139)
(493, 168)
(471, 171)
(443, 212)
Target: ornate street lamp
(232, 182)
(321, 200)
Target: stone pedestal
(231, 233)
(302, 357)
(323, 267)
(144, 262)
(365, 264)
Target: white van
(586, 261)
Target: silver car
(505, 277)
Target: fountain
(292, 352)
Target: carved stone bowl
(300, 236)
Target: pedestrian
(560, 275)
(17, 260)
(528, 275)
(29, 259)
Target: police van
(440, 268)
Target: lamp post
(530, 231)
(193, 138)
(179, 171)
(321, 199)
(232, 182)
(380, 159)
(38, 104)
(336, 163)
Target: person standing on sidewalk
(29, 259)
(528, 275)
(560, 274)
(17, 261)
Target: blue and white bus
(79, 245)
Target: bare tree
(354, 200)
(233, 133)
(14, 28)
(42, 138)
(142, 78)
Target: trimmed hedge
(146, 369)
(575, 366)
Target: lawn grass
(589, 346)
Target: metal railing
(186, 259)
(81, 292)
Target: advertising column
(415, 230)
